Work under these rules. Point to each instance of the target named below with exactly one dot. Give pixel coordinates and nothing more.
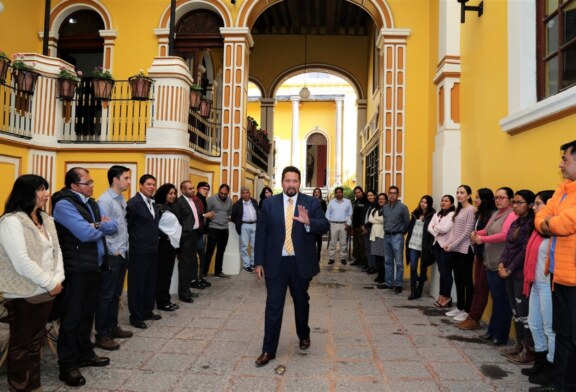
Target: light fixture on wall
(463, 8)
(304, 92)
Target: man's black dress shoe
(197, 285)
(153, 316)
(138, 324)
(330, 261)
(96, 361)
(486, 337)
(73, 378)
(304, 344)
(206, 283)
(496, 343)
(187, 299)
(398, 289)
(264, 358)
(175, 306)
(383, 287)
(167, 308)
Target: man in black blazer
(244, 215)
(187, 213)
(287, 258)
(143, 217)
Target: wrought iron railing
(15, 111)
(204, 133)
(118, 120)
(256, 154)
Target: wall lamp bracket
(463, 8)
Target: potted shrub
(251, 127)
(102, 84)
(140, 85)
(195, 96)
(4, 65)
(24, 75)
(205, 105)
(67, 83)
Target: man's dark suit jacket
(185, 216)
(270, 235)
(142, 227)
(238, 212)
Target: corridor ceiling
(321, 17)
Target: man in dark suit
(285, 255)
(189, 217)
(143, 217)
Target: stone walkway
(362, 340)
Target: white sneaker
(453, 312)
(461, 317)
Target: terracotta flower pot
(102, 88)
(205, 105)
(195, 97)
(25, 80)
(140, 87)
(67, 89)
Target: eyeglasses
(514, 202)
(500, 197)
(89, 183)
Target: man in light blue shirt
(113, 205)
(339, 214)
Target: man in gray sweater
(221, 205)
(396, 221)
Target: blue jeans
(394, 257)
(111, 287)
(247, 236)
(413, 256)
(445, 270)
(499, 326)
(540, 318)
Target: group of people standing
(72, 265)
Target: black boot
(412, 294)
(543, 378)
(419, 289)
(538, 364)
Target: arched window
(79, 40)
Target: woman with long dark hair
(511, 268)
(265, 194)
(31, 275)
(419, 245)
(485, 207)
(170, 233)
(461, 254)
(537, 289)
(493, 236)
(376, 220)
(440, 227)
(366, 227)
(317, 193)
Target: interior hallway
(362, 340)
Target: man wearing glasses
(81, 233)
(221, 205)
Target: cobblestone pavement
(362, 340)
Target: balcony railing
(119, 120)
(16, 111)
(256, 154)
(205, 133)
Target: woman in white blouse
(31, 275)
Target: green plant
(100, 73)
(252, 122)
(19, 64)
(196, 87)
(65, 73)
(3, 55)
(140, 75)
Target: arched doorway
(316, 160)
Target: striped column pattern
(43, 163)
(392, 45)
(237, 43)
(168, 168)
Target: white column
(338, 152)
(295, 131)
(361, 123)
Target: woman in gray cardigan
(31, 275)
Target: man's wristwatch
(97, 225)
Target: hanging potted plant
(140, 85)
(24, 75)
(195, 96)
(102, 84)
(67, 83)
(4, 65)
(205, 105)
